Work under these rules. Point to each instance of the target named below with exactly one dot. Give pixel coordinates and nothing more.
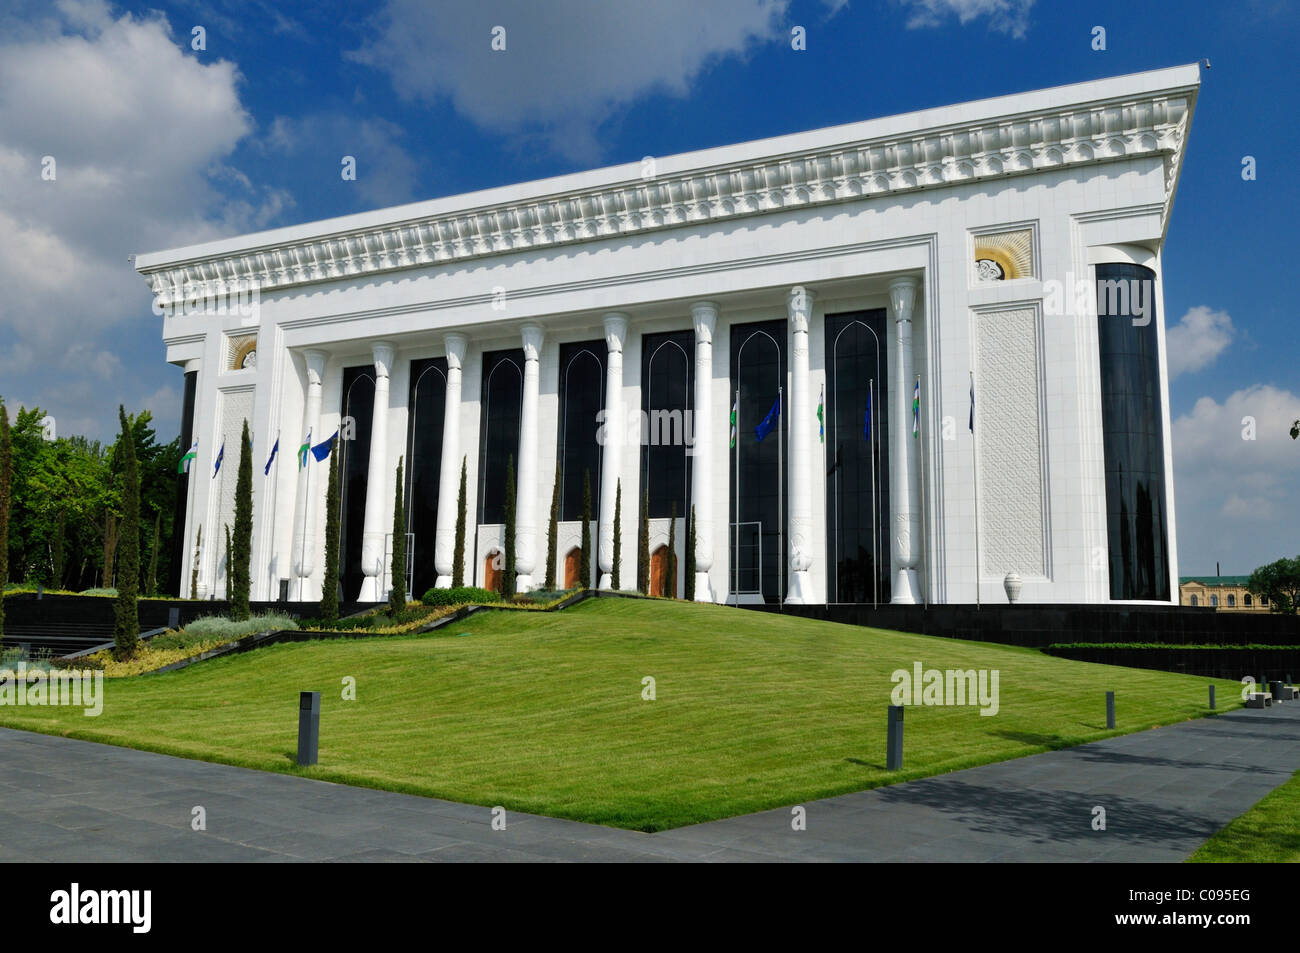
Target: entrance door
(573, 569)
(660, 573)
(492, 571)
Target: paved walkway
(1164, 791)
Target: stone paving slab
(1164, 791)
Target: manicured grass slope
(1268, 833)
(542, 712)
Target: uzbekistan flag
(184, 465)
(302, 451)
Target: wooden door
(573, 569)
(659, 572)
(492, 571)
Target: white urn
(1012, 585)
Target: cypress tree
(670, 571)
(228, 586)
(151, 579)
(689, 581)
(110, 545)
(508, 574)
(242, 547)
(553, 531)
(126, 631)
(643, 547)
(194, 568)
(397, 594)
(60, 547)
(458, 560)
(6, 481)
(329, 594)
(584, 563)
(618, 535)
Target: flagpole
(826, 589)
(920, 451)
(780, 495)
(189, 512)
(735, 527)
(974, 479)
(875, 511)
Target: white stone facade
(878, 214)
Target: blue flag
(866, 425)
(972, 403)
(765, 426)
(274, 451)
(221, 455)
(322, 450)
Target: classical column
(304, 542)
(526, 471)
(905, 487)
(799, 309)
(372, 535)
(444, 547)
(705, 316)
(611, 456)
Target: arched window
(1232, 599)
(1195, 601)
(667, 399)
(427, 401)
(354, 466)
(1247, 601)
(1214, 600)
(503, 395)
(582, 397)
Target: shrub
(459, 595)
(219, 627)
(99, 591)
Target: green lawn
(542, 712)
(1268, 833)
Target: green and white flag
(916, 408)
(821, 415)
(733, 423)
(302, 451)
(184, 465)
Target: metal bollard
(1110, 709)
(894, 745)
(1211, 696)
(308, 726)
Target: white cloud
(1235, 497)
(568, 65)
(139, 132)
(1005, 16)
(1198, 339)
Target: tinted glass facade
(667, 401)
(427, 399)
(759, 505)
(502, 397)
(857, 457)
(1133, 432)
(582, 397)
(354, 463)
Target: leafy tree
(584, 562)
(689, 573)
(397, 594)
(1279, 582)
(242, 547)
(1295, 430)
(553, 531)
(508, 575)
(126, 633)
(458, 562)
(60, 545)
(643, 547)
(618, 535)
(110, 546)
(151, 579)
(329, 596)
(670, 571)
(6, 477)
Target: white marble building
(924, 253)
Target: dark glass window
(1133, 432)
(758, 491)
(857, 457)
(502, 405)
(354, 464)
(427, 401)
(582, 397)
(667, 402)
(178, 545)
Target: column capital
(532, 335)
(902, 296)
(316, 360)
(799, 302)
(705, 316)
(456, 344)
(615, 331)
(383, 353)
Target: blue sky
(159, 145)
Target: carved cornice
(1067, 136)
